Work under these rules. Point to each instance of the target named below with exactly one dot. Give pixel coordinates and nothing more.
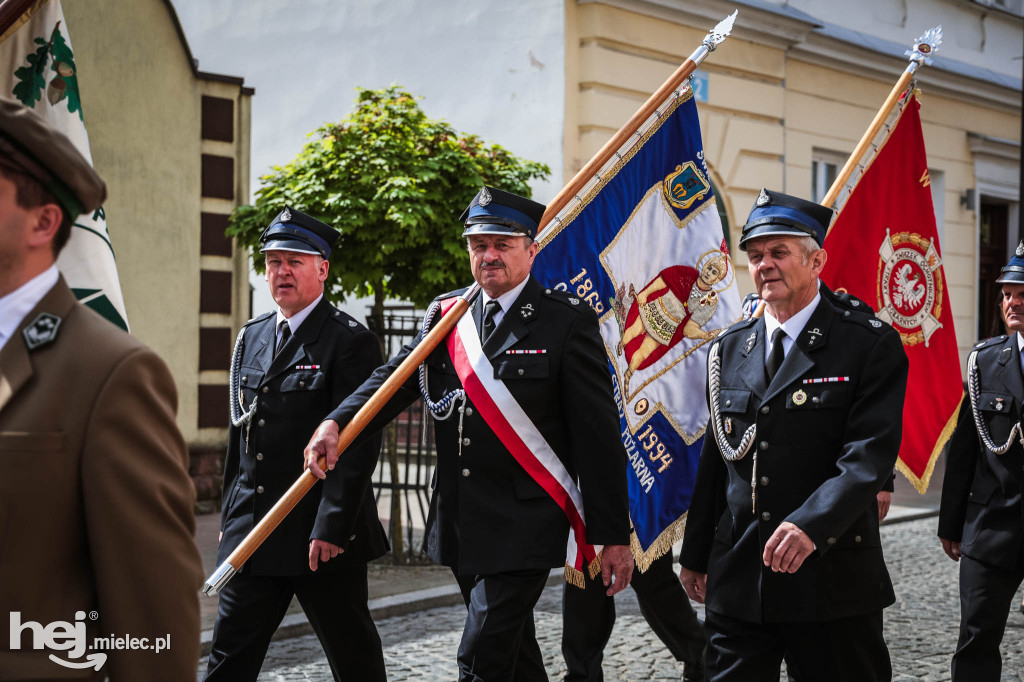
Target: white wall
(489, 67)
(972, 33)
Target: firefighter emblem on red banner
(910, 286)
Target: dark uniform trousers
(324, 360)
(490, 522)
(588, 617)
(828, 431)
(982, 509)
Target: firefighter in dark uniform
(288, 370)
(782, 540)
(492, 523)
(981, 517)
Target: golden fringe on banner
(921, 484)
(662, 545)
(574, 576)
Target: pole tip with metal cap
(926, 46)
(216, 582)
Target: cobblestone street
(920, 629)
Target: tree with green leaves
(394, 183)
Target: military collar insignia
(1020, 250)
(286, 215)
(42, 331)
(574, 301)
(763, 198)
(875, 323)
(814, 335)
(751, 340)
(485, 197)
(526, 311)
(352, 323)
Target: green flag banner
(40, 71)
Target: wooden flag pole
(919, 55)
(307, 480)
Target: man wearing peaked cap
(982, 504)
(288, 370)
(92, 465)
(533, 365)
(806, 405)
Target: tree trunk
(377, 323)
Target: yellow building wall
(767, 112)
(142, 109)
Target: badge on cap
(485, 197)
(42, 331)
(799, 398)
(763, 198)
(286, 215)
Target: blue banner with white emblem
(644, 248)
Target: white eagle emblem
(908, 290)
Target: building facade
(172, 144)
(786, 98)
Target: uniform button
(245, 380)
(764, 410)
(265, 389)
(831, 541)
(302, 384)
(259, 489)
(765, 516)
(857, 539)
(521, 372)
(763, 445)
(260, 423)
(846, 313)
(444, 365)
(352, 537)
(547, 291)
(764, 480)
(465, 472)
(815, 400)
(466, 441)
(728, 403)
(259, 456)
(469, 411)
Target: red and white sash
(523, 439)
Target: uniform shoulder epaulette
(865, 318)
(737, 326)
(568, 299)
(848, 301)
(346, 320)
(994, 341)
(258, 318)
(451, 294)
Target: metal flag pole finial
(924, 48)
(919, 55)
(714, 38)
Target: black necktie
(286, 333)
(777, 355)
(490, 310)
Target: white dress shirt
(294, 321)
(20, 302)
(791, 328)
(505, 300)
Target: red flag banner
(884, 249)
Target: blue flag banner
(644, 247)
